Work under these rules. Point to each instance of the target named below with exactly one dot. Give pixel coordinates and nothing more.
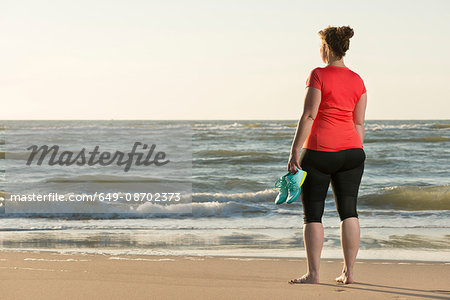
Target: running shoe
(294, 185)
(281, 185)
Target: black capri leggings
(344, 168)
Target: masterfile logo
(94, 157)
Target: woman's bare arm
(310, 109)
(359, 116)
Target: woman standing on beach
(331, 130)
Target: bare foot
(345, 278)
(307, 278)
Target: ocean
(403, 205)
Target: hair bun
(345, 32)
(337, 39)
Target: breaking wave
(412, 198)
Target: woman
(331, 130)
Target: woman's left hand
(294, 163)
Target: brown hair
(337, 39)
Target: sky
(210, 59)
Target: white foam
(140, 259)
(252, 254)
(250, 258)
(34, 269)
(193, 258)
(55, 260)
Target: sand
(45, 275)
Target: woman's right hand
(294, 162)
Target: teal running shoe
(294, 185)
(281, 184)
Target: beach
(148, 150)
(51, 275)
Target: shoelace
(291, 184)
(279, 183)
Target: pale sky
(236, 59)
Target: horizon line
(207, 120)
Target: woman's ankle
(313, 274)
(347, 269)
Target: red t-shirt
(333, 128)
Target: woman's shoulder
(355, 74)
(317, 69)
(360, 81)
(316, 72)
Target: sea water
(403, 205)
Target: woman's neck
(336, 62)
